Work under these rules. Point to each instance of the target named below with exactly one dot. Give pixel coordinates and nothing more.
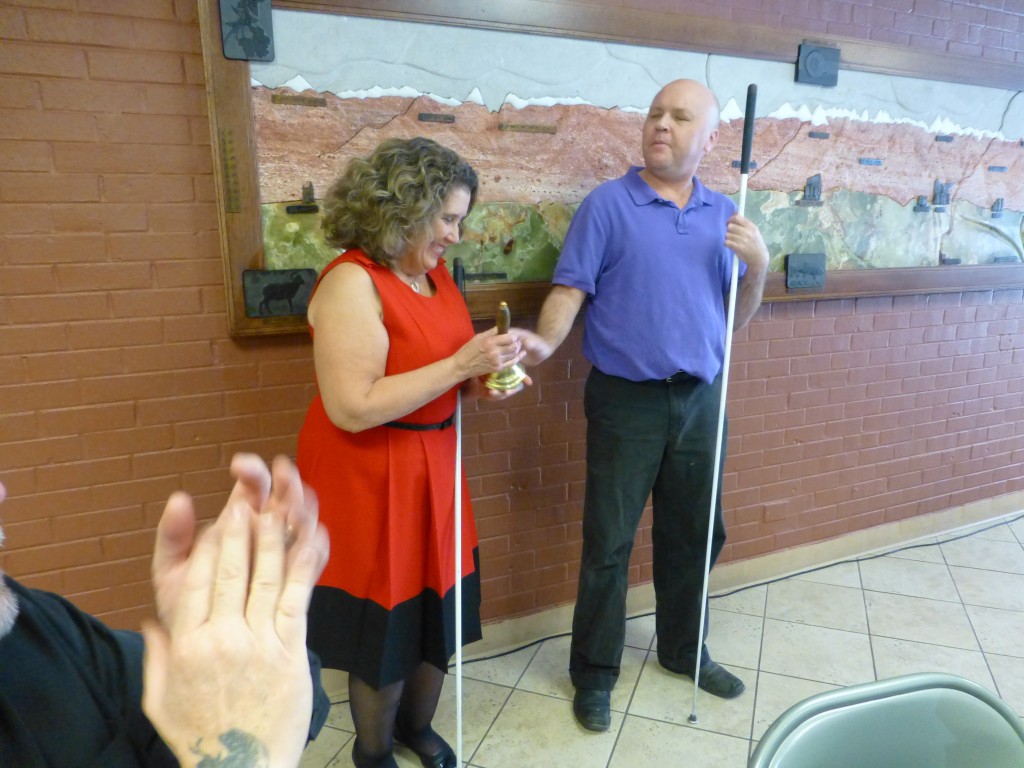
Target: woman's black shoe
(445, 758)
(362, 761)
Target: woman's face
(423, 253)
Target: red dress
(386, 601)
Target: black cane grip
(459, 275)
(748, 129)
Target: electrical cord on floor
(875, 556)
(858, 559)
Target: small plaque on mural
(277, 292)
(805, 270)
(246, 30)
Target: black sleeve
(73, 688)
(152, 750)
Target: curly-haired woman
(393, 344)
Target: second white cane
(748, 138)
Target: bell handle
(503, 319)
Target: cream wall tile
(823, 605)
(816, 653)
(340, 717)
(329, 743)
(481, 703)
(979, 587)
(925, 552)
(988, 530)
(734, 639)
(651, 744)
(920, 619)
(840, 574)
(798, 628)
(640, 631)
(999, 631)
(548, 673)
(908, 577)
(777, 693)
(903, 657)
(667, 696)
(502, 670)
(540, 730)
(335, 684)
(750, 600)
(1017, 528)
(1008, 672)
(987, 554)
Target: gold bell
(514, 375)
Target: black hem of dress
(381, 646)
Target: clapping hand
(226, 671)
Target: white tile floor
(949, 605)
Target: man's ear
(711, 142)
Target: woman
(393, 344)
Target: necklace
(412, 282)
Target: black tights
(409, 703)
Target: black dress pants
(652, 438)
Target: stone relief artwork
(877, 172)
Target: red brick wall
(119, 382)
(989, 29)
(843, 415)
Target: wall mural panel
(882, 175)
(878, 172)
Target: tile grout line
(757, 675)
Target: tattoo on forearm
(240, 750)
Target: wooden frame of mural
(234, 144)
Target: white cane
(748, 138)
(460, 277)
(458, 580)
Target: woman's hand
(488, 352)
(477, 388)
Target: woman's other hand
(489, 352)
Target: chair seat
(926, 720)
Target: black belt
(413, 427)
(679, 377)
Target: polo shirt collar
(643, 194)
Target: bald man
(650, 255)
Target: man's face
(681, 127)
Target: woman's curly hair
(385, 201)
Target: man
(232, 627)
(650, 254)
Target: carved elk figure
(284, 291)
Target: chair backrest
(927, 720)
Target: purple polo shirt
(656, 279)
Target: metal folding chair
(928, 720)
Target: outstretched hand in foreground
(226, 678)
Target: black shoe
(444, 758)
(718, 681)
(362, 761)
(592, 709)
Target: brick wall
(843, 415)
(119, 382)
(988, 29)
